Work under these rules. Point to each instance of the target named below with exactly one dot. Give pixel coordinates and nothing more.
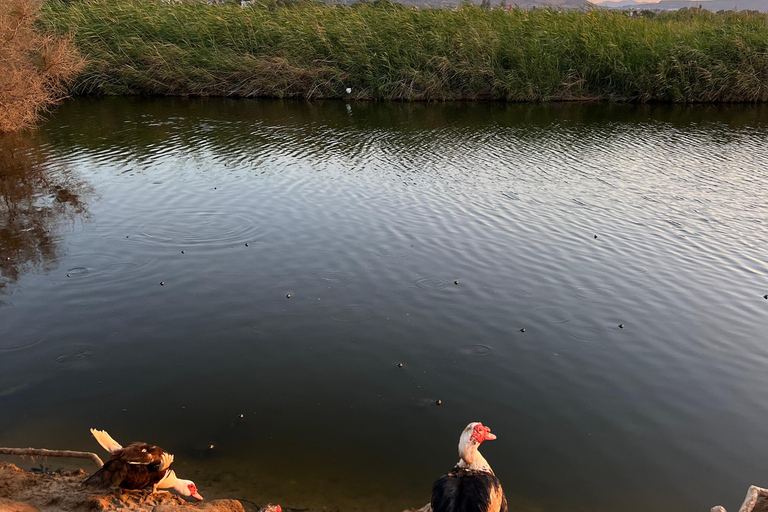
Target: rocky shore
(23, 491)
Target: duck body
(468, 490)
(471, 486)
(137, 466)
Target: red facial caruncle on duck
(481, 433)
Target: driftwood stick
(41, 452)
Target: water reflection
(36, 203)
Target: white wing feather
(106, 441)
(165, 461)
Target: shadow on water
(135, 125)
(35, 204)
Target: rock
(209, 506)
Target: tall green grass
(386, 51)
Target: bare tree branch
(41, 452)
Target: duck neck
(470, 457)
(168, 481)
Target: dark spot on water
(595, 236)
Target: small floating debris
(288, 296)
(522, 330)
(595, 236)
(438, 402)
(162, 283)
(621, 326)
(399, 365)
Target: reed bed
(386, 51)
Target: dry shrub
(34, 67)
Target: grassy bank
(387, 51)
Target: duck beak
(490, 437)
(197, 496)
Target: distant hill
(668, 5)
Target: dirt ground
(23, 491)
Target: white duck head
(471, 438)
(181, 486)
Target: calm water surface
(366, 214)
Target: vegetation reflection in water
(366, 215)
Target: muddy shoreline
(62, 491)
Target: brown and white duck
(138, 466)
(471, 486)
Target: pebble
(621, 326)
(438, 402)
(399, 365)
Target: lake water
(563, 220)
